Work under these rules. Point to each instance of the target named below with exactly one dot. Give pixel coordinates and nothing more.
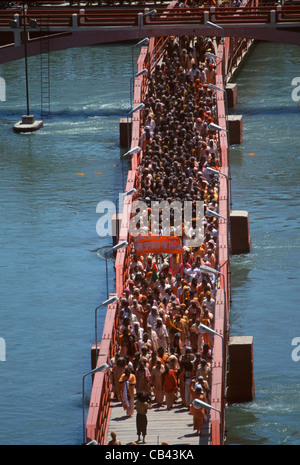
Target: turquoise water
(266, 299)
(52, 278)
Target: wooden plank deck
(174, 426)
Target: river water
(52, 277)
(266, 301)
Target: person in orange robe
(198, 413)
(170, 386)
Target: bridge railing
(99, 409)
(98, 417)
(66, 18)
(99, 406)
(219, 367)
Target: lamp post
(113, 249)
(107, 302)
(216, 127)
(28, 123)
(213, 86)
(144, 41)
(207, 329)
(140, 73)
(198, 403)
(129, 152)
(133, 110)
(209, 269)
(216, 172)
(209, 23)
(100, 368)
(228, 183)
(125, 194)
(216, 215)
(25, 55)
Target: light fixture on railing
(215, 214)
(104, 304)
(144, 41)
(124, 194)
(198, 403)
(207, 329)
(133, 110)
(150, 13)
(216, 127)
(103, 367)
(213, 86)
(209, 269)
(113, 249)
(209, 23)
(212, 55)
(219, 173)
(132, 151)
(140, 73)
(138, 108)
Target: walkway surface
(174, 426)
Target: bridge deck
(173, 426)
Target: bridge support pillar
(235, 125)
(241, 386)
(117, 218)
(74, 20)
(240, 232)
(94, 355)
(232, 95)
(125, 131)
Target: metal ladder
(45, 70)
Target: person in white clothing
(153, 315)
(209, 301)
(162, 334)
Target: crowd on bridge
(163, 357)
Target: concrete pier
(125, 132)
(28, 124)
(240, 232)
(235, 127)
(232, 95)
(241, 386)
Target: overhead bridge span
(72, 27)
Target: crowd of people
(163, 357)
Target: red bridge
(71, 27)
